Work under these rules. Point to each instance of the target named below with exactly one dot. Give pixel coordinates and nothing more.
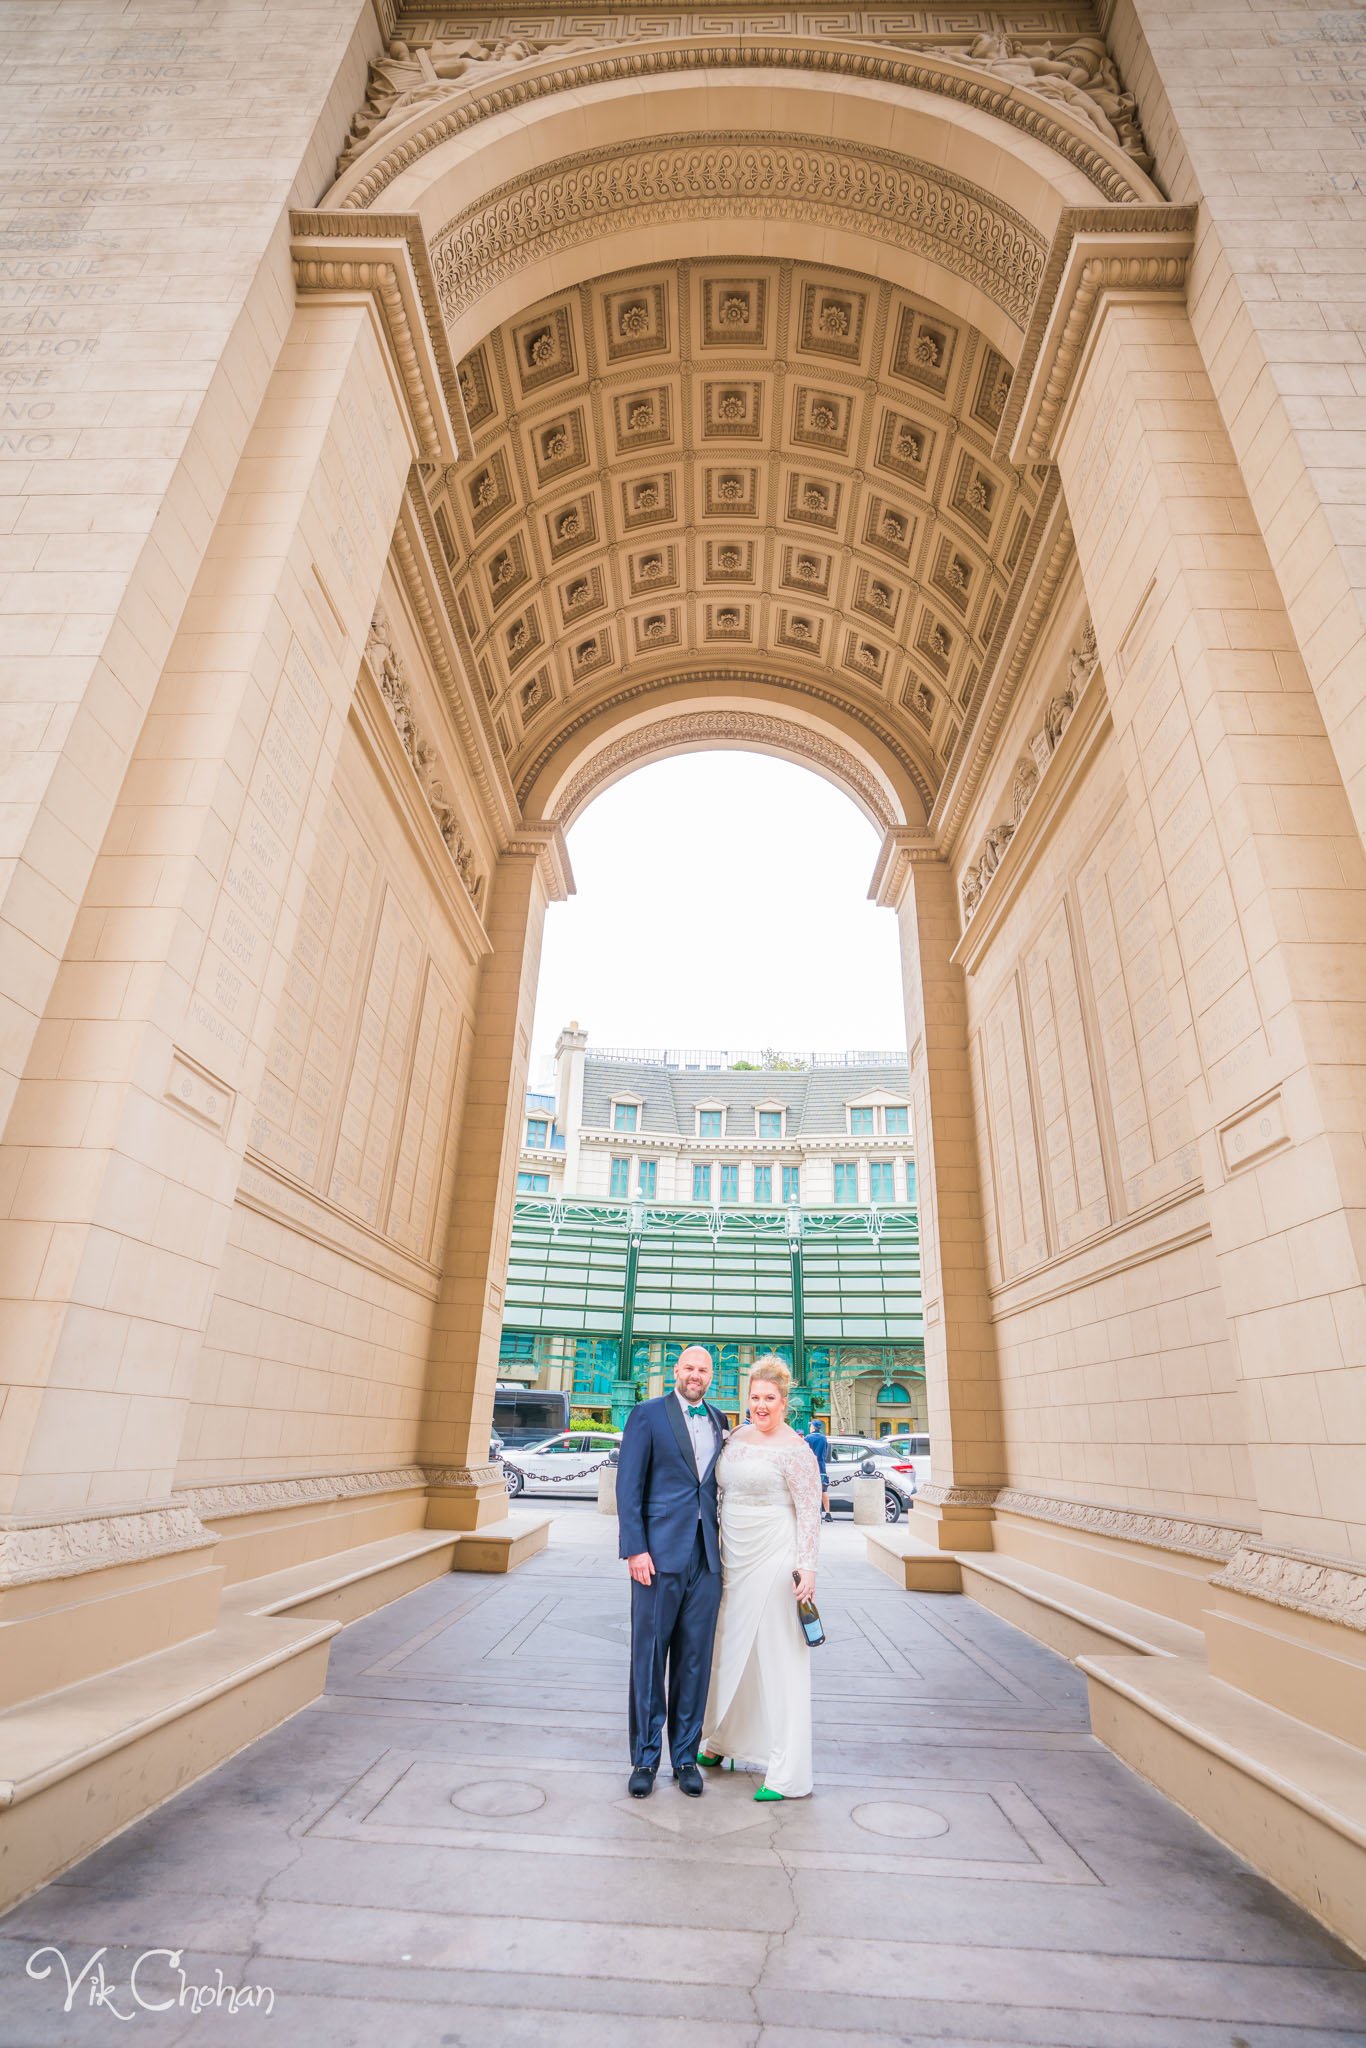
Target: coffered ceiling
(734, 467)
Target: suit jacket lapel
(681, 1432)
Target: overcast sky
(722, 902)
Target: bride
(760, 1699)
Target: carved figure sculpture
(1082, 660)
(1022, 788)
(1079, 76)
(970, 890)
(412, 74)
(1060, 709)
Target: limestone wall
(1118, 1382)
(1258, 110)
(148, 159)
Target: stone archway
(276, 981)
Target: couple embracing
(716, 1644)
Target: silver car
(565, 1464)
(844, 1464)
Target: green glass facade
(601, 1298)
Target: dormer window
(711, 1123)
(878, 1119)
(770, 1123)
(625, 1116)
(537, 1133)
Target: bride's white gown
(759, 1706)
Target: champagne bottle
(808, 1615)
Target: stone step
(351, 1582)
(79, 1764)
(1069, 1616)
(1289, 1799)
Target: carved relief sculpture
(1080, 76)
(1081, 666)
(387, 669)
(412, 75)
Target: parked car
(911, 1457)
(527, 1415)
(565, 1464)
(844, 1463)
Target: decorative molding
(1134, 1240)
(720, 728)
(32, 1549)
(1033, 765)
(544, 843)
(384, 258)
(417, 562)
(936, 1496)
(463, 1478)
(269, 1496)
(270, 1190)
(1094, 255)
(1042, 577)
(1077, 137)
(386, 666)
(1125, 1525)
(899, 199)
(902, 849)
(727, 677)
(1332, 1589)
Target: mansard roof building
(715, 1128)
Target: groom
(666, 1511)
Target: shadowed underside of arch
(741, 468)
(583, 763)
(735, 326)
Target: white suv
(844, 1464)
(911, 1458)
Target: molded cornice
(383, 258)
(1096, 255)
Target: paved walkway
(441, 1854)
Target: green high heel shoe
(763, 1793)
(709, 1763)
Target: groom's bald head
(692, 1373)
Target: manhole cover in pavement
(902, 1823)
(498, 1798)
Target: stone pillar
(570, 1051)
(954, 1510)
(454, 1440)
(125, 1143)
(1256, 872)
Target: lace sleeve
(803, 1476)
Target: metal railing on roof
(692, 1060)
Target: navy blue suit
(665, 1506)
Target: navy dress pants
(673, 1627)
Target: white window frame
(701, 1109)
(635, 1102)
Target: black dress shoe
(641, 1782)
(690, 1780)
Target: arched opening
(718, 1145)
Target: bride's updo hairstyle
(774, 1373)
